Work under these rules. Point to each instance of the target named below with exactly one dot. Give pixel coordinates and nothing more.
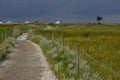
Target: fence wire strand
(102, 65)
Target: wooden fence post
(9, 34)
(52, 36)
(46, 35)
(78, 59)
(2, 36)
(5, 35)
(63, 42)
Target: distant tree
(99, 18)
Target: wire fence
(101, 65)
(94, 61)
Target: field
(99, 45)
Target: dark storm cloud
(1, 2)
(67, 10)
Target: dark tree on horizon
(99, 18)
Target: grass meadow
(99, 45)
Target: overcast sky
(64, 10)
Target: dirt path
(27, 62)
(23, 37)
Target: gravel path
(27, 62)
(22, 37)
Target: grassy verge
(6, 39)
(5, 48)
